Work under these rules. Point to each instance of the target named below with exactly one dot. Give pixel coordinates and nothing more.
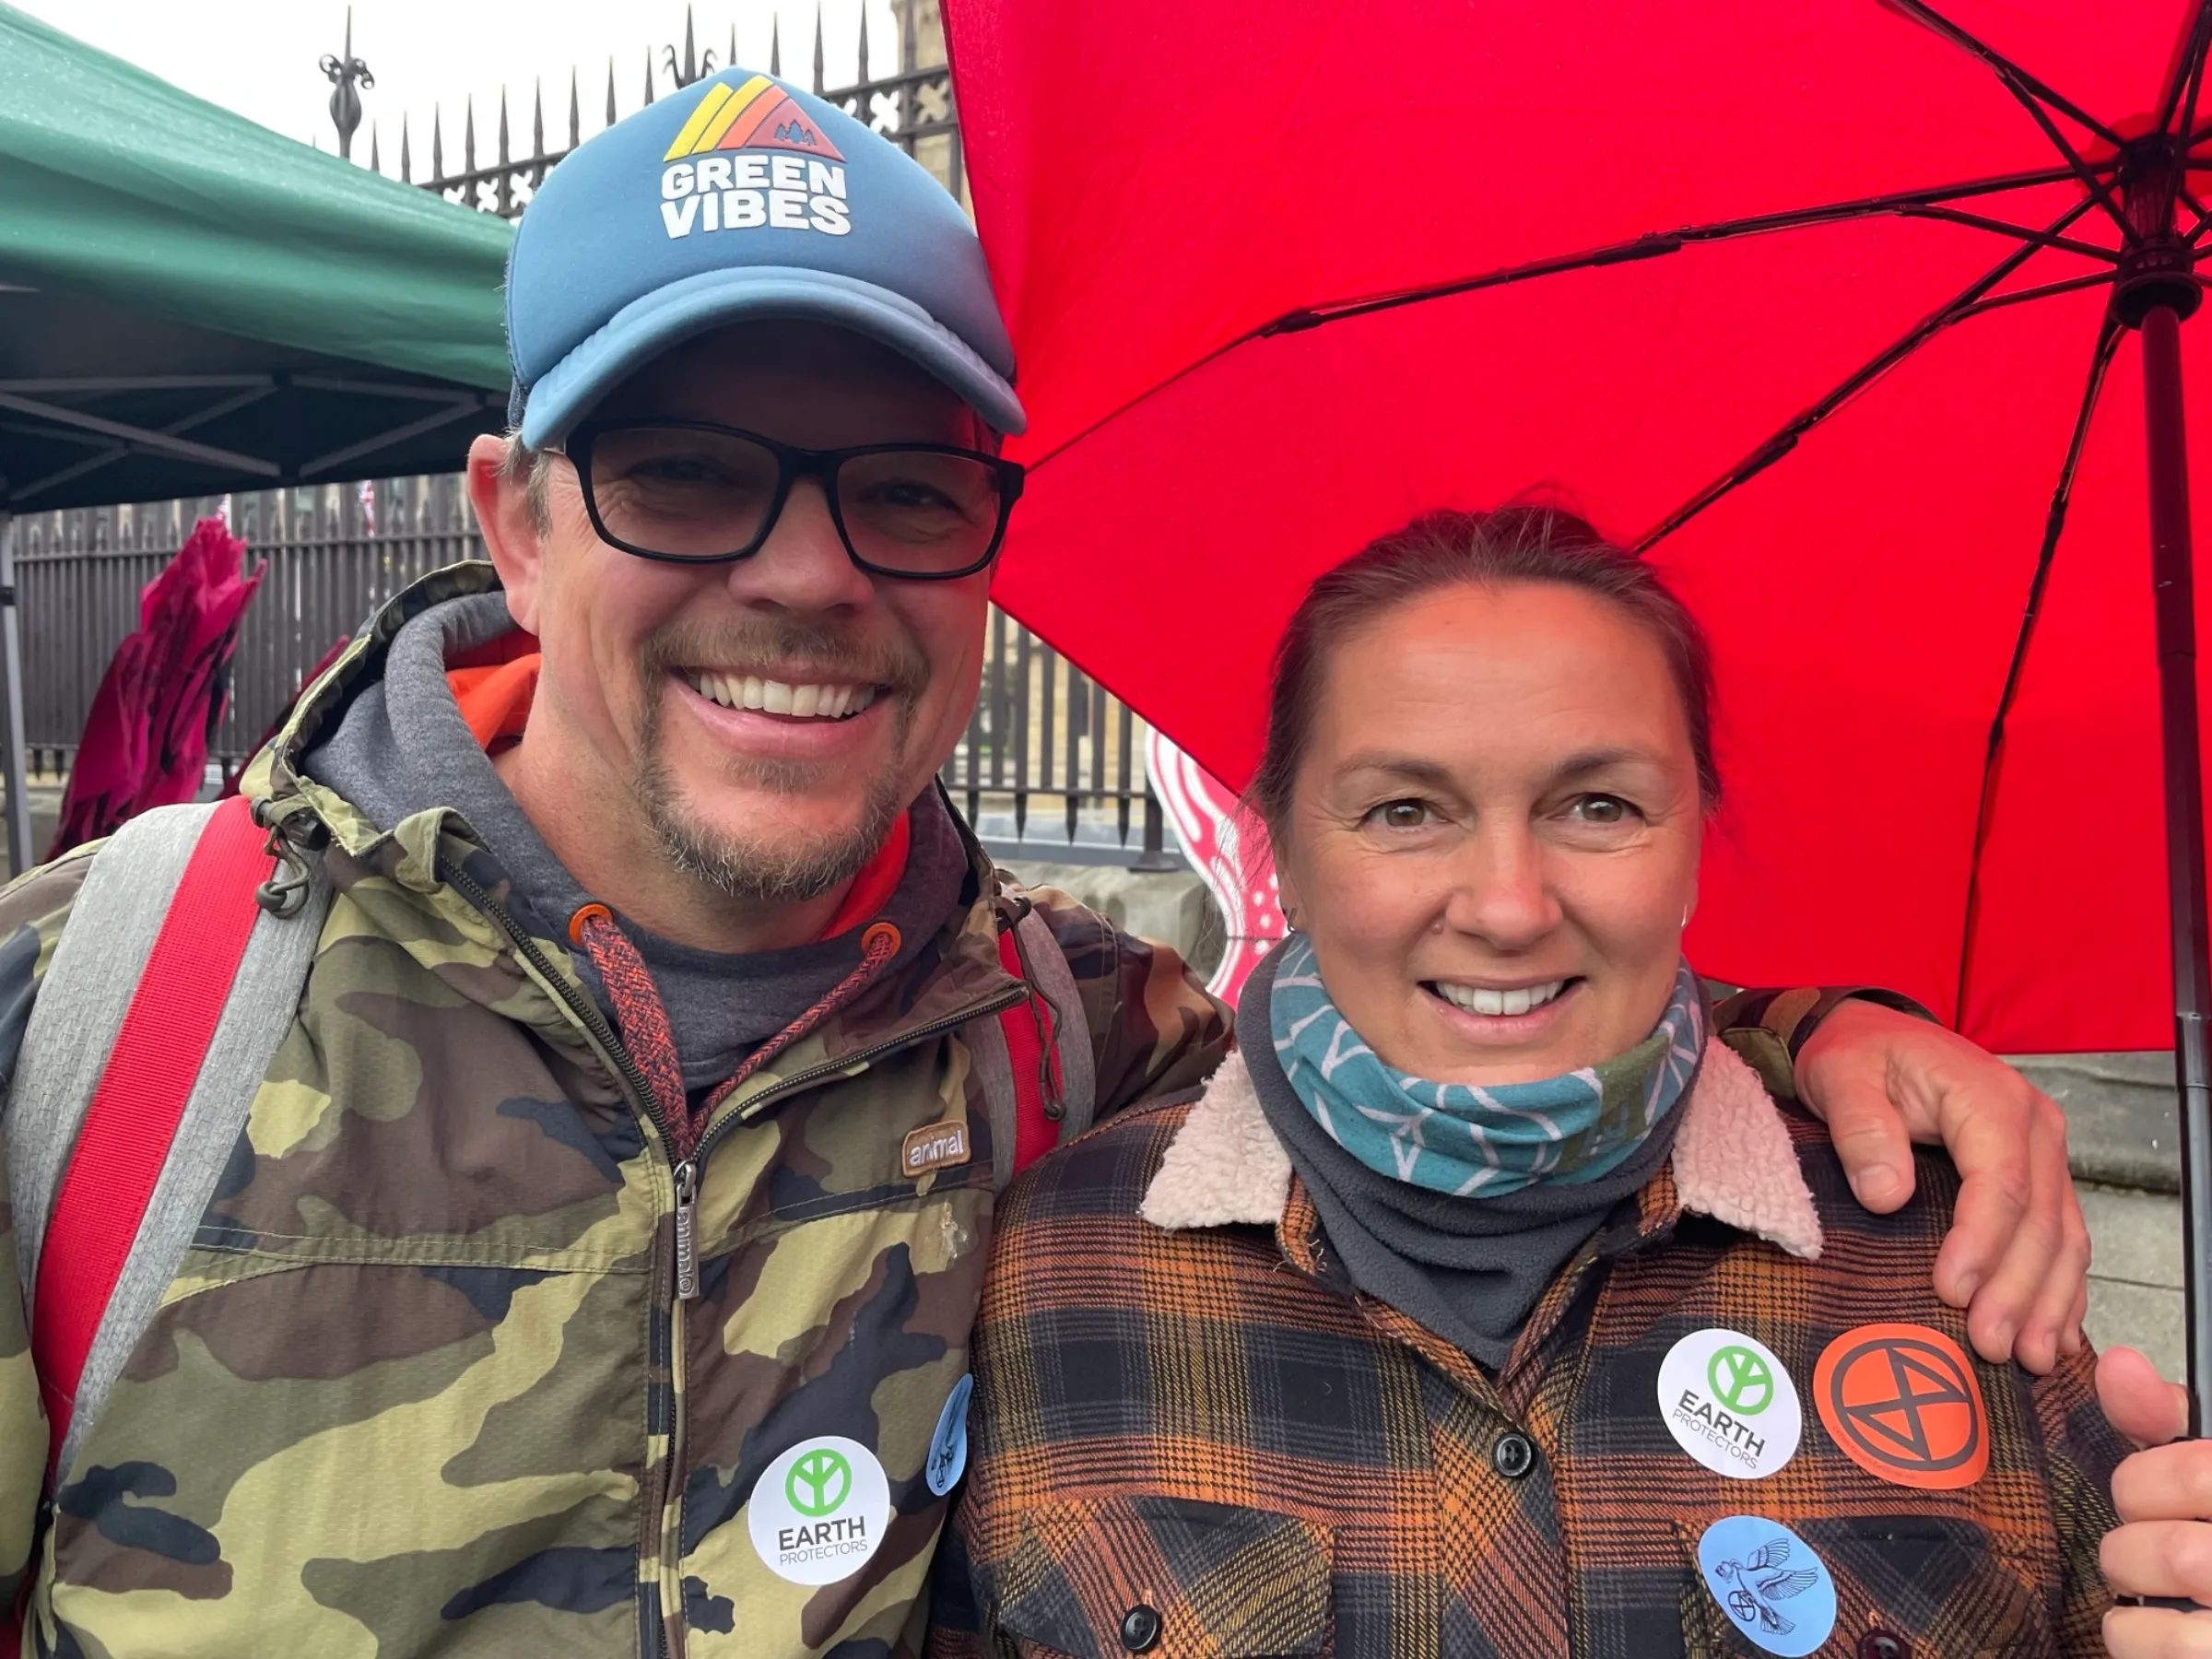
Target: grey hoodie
(403, 748)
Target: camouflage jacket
(421, 1383)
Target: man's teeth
(774, 697)
(1477, 999)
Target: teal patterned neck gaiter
(1472, 1141)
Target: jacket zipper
(687, 1245)
(685, 1172)
(609, 1044)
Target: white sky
(259, 57)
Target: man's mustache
(763, 645)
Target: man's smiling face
(771, 716)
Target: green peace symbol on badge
(1741, 1380)
(818, 1481)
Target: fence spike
(537, 119)
(648, 75)
(437, 142)
(407, 162)
(610, 88)
(503, 152)
(908, 46)
(818, 48)
(575, 113)
(468, 138)
(863, 76)
(775, 44)
(731, 61)
(376, 158)
(691, 57)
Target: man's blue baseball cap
(742, 199)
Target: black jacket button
(1883, 1644)
(1514, 1456)
(1140, 1629)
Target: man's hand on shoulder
(2019, 1252)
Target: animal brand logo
(747, 157)
(1902, 1403)
(933, 1147)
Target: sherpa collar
(1732, 1159)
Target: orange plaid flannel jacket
(1196, 1440)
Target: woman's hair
(1443, 549)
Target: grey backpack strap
(1050, 973)
(74, 1021)
(986, 1039)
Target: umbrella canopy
(1622, 253)
(191, 303)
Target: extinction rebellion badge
(1729, 1403)
(1903, 1405)
(819, 1511)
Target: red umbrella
(145, 742)
(1827, 305)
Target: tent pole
(19, 853)
(2175, 599)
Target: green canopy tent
(191, 303)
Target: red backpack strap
(1033, 1053)
(135, 1109)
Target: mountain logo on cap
(756, 114)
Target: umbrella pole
(19, 853)
(2175, 598)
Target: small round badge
(1729, 1403)
(949, 1446)
(1775, 1590)
(819, 1511)
(1902, 1403)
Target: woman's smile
(1503, 1013)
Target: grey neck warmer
(403, 748)
(1468, 1269)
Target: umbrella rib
(2041, 238)
(1654, 243)
(1785, 439)
(2037, 98)
(2023, 85)
(2054, 521)
(1650, 244)
(2181, 93)
(2044, 291)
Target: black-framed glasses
(692, 492)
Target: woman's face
(1492, 838)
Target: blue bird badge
(1775, 1587)
(949, 1446)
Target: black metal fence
(1049, 759)
(911, 106)
(333, 554)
